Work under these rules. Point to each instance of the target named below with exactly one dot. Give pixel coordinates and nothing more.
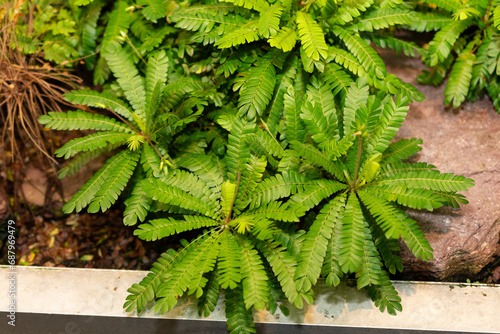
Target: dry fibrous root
(29, 88)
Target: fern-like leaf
(416, 241)
(442, 43)
(152, 9)
(191, 184)
(311, 36)
(144, 292)
(208, 301)
(383, 18)
(116, 180)
(136, 206)
(246, 33)
(100, 100)
(205, 168)
(313, 195)
(426, 22)
(229, 261)
(277, 187)
(496, 16)
(238, 153)
(285, 39)
(347, 11)
(401, 149)
(119, 21)
(157, 70)
(337, 78)
(352, 239)
(389, 218)
(316, 157)
(250, 177)
(283, 265)
(294, 126)
(87, 192)
(258, 89)
(387, 247)
(313, 251)
(258, 5)
(172, 195)
(239, 318)
(254, 276)
(449, 5)
(269, 21)
(385, 296)
(370, 270)
(408, 48)
(274, 211)
(412, 198)
(430, 179)
(80, 160)
(91, 142)
(365, 54)
(89, 33)
(391, 118)
(270, 146)
(460, 78)
(321, 119)
(160, 228)
(200, 256)
(80, 120)
(127, 76)
(346, 60)
(357, 96)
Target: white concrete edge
(102, 292)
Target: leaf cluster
(263, 134)
(465, 46)
(327, 38)
(155, 113)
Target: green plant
(247, 244)
(155, 115)
(47, 29)
(289, 173)
(466, 45)
(323, 37)
(361, 191)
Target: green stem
(487, 15)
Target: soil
(31, 196)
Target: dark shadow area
(71, 324)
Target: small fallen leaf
(88, 257)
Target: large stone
(464, 142)
(34, 186)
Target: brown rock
(467, 143)
(34, 186)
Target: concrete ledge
(48, 296)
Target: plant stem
(228, 218)
(353, 185)
(138, 132)
(487, 15)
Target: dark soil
(46, 237)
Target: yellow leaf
(228, 194)
(88, 257)
(242, 224)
